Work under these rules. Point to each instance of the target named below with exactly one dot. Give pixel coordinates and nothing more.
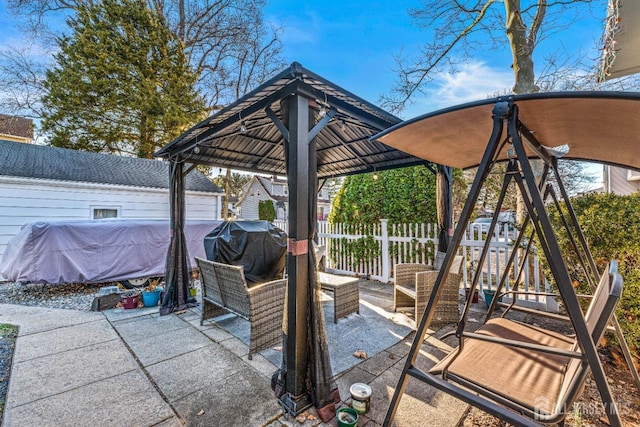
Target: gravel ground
(71, 296)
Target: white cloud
(302, 29)
(472, 82)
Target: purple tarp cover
(96, 251)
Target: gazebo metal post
(296, 398)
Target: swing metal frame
(535, 193)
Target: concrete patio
(134, 367)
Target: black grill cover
(259, 246)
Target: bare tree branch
(537, 23)
(413, 77)
(226, 41)
(459, 30)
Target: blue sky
(353, 42)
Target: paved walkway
(136, 368)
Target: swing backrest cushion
(601, 308)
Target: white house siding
(263, 189)
(249, 205)
(26, 200)
(617, 180)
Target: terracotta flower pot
(475, 295)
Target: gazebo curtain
(176, 281)
(324, 392)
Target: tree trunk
(227, 191)
(182, 22)
(521, 49)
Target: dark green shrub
(266, 210)
(611, 224)
(405, 195)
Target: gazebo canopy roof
(244, 135)
(597, 126)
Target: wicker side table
(346, 294)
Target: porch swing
(541, 372)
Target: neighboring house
(231, 207)
(18, 129)
(42, 183)
(274, 189)
(620, 181)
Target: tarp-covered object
(259, 246)
(95, 251)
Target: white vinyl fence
(372, 250)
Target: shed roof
(37, 161)
(16, 126)
(601, 127)
(245, 136)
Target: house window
(102, 212)
(633, 175)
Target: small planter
(130, 300)
(475, 295)
(360, 397)
(347, 417)
(151, 298)
(488, 296)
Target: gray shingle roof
(44, 162)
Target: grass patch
(8, 335)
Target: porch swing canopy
(601, 127)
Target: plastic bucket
(488, 296)
(475, 295)
(347, 417)
(360, 397)
(129, 302)
(151, 298)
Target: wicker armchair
(262, 305)
(414, 283)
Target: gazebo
(300, 125)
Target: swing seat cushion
(542, 382)
(522, 375)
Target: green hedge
(406, 195)
(611, 224)
(266, 210)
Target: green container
(488, 296)
(347, 417)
